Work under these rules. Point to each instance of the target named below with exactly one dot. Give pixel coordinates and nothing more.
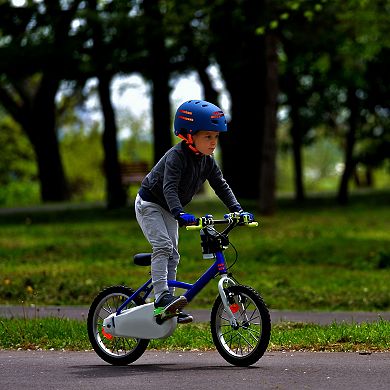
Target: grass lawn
(315, 257)
(57, 334)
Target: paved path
(52, 370)
(322, 318)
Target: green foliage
(18, 172)
(82, 154)
(20, 193)
(137, 145)
(17, 156)
(322, 160)
(334, 46)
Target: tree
(157, 70)
(267, 187)
(366, 35)
(307, 47)
(34, 52)
(325, 74)
(240, 53)
(100, 53)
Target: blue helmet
(196, 115)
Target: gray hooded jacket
(179, 175)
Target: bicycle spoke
(109, 311)
(247, 341)
(223, 318)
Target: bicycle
(121, 322)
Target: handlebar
(211, 221)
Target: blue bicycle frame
(218, 267)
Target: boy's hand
(241, 216)
(185, 219)
(246, 217)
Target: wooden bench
(133, 172)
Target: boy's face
(206, 141)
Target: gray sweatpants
(161, 230)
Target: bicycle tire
(245, 345)
(118, 351)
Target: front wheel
(245, 345)
(118, 351)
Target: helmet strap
(190, 142)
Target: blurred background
(88, 90)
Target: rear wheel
(118, 351)
(245, 345)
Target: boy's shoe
(184, 318)
(169, 304)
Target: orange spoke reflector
(107, 335)
(234, 308)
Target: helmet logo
(217, 115)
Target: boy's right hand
(186, 219)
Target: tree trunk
(40, 127)
(158, 69)
(34, 107)
(349, 163)
(161, 108)
(115, 192)
(241, 56)
(267, 198)
(209, 93)
(116, 196)
(296, 136)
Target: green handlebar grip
(194, 227)
(252, 224)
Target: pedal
(162, 315)
(172, 310)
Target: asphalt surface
(317, 317)
(36, 370)
(195, 370)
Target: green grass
(56, 333)
(318, 256)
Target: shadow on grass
(62, 213)
(67, 212)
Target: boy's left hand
(242, 215)
(246, 217)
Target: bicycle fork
(230, 282)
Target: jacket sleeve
(174, 168)
(222, 188)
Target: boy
(170, 186)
